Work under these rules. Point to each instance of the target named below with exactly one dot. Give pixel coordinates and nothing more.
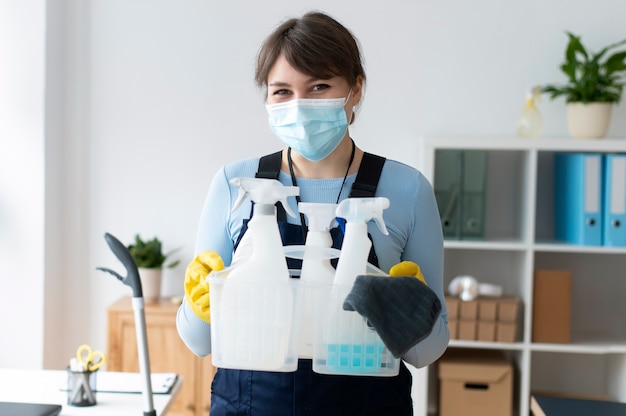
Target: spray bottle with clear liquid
(529, 122)
(350, 346)
(257, 299)
(317, 272)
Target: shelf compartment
(500, 267)
(506, 190)
(598, 287)
(575, 374)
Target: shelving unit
(519, 231)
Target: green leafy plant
(148, 254)
(590, 77)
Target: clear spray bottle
(317, 272)
(530, 123)
(356, 245)
(348, 345)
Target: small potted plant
(595, 83)
(150, 260)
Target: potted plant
(595, 83)
(150, 260)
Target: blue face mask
(311, 127)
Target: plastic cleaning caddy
(254, 323)
(344, 343)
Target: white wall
(146, 99)
(22, 73)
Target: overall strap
(269, 168)
(367, 178)
(364, 185)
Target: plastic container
(253, 303)
(256, 334)
(529, 122)
(343, 342)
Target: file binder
(474, 194)
(578, 198)
(460, 190)
(567, 406)
(448, 174)
(614, 233)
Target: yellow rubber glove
(196, 286)
(407, 268)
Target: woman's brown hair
(316, 45)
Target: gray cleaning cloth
(401, 309)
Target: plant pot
(151, 284)
(588, 121)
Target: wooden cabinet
(167, 353)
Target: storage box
(488, 319)
(552, 299)
(486, 331)
(475, 383)
(508, 309)
(452, 305)
(506, 332)
(467, 329)
(468, 310)
(487, 309)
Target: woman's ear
(357, 91)
(355, 98)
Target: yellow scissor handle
(90, 359)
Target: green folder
(461, 192)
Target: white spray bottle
(257, 299)
(348, 345)
(317, 273)
(356, 245)
(316, 267)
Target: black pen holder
(81, 388)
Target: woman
(311, 71)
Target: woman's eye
(320, 87)
(281, 92)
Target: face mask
(311, 127)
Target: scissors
(90, 360)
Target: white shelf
(510, 245)
(519, 238)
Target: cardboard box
(452, 305)
(475, 382)
(552, 302)
(508, 309)
(467, 329)
(488, 309)
(468, 309)
(506, 332)
(486, 331)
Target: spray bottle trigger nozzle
(287, 207)
(264, 191)
(378, 219)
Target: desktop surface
(47, 386)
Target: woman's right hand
(196, 285)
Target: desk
(44, 386)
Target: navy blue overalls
(304, 392)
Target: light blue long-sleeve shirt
(412, 220)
